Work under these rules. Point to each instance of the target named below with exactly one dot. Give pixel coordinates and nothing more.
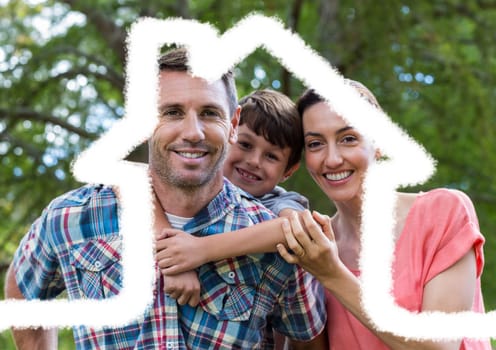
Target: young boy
(267, 152)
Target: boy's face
(254, 164)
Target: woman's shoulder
(446, 202)
(446, 197)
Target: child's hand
(178, 252)
(184, 287)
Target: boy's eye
(244, 145)
(272, 156)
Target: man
(243, 299)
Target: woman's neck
(346, 226)
(347, 219)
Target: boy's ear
(290, 172)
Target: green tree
(430, 64)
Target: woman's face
(336, 155)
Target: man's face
(190, 142)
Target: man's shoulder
(85, 195)
(87, 212)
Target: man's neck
(186, 203)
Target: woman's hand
(313, 245)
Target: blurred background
(431, 65)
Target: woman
(438, 247)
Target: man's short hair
(274, 116)
(177, 60)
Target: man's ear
(290, 172)
(233, 133)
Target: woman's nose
(334, 157)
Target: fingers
(166, 233)
(288, 228)
(300, 226)
(194, 300)
(286, 255)
(325, 222)
(314, 229)
(190, 297)
(185, 288)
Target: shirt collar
(218, 208)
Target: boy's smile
(255, 164)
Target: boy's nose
(253, 159)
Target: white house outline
(102, 162)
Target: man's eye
(210, 113)
(171, 113)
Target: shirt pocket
(229, 287)
(98, 268)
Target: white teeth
(191, 155)
(248, 175)
(338, 176)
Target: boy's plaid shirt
(75, 246)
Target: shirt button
(170, 345)
(231, 275)
(98, 264)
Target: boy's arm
(185, 286)
(180, 252)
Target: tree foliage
(430, 64)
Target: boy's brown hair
(274, 116)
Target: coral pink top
(440, 228)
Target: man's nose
(193, 128)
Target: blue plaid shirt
(75, 245)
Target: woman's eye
(349, 139)
(313, 144)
